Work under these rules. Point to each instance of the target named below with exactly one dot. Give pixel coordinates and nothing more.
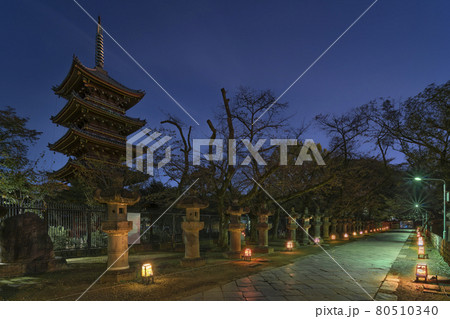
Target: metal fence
(69, 226)
(73, 226)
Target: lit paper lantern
(147, 273)
(422, 271)
(421, 252)
(317, 240)
(333, 237)
(354, 233)
(420, 241)
(247, 254)
(345, 235)
(289, 245)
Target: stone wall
(442, 245)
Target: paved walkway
(318, 277)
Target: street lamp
(419, 179)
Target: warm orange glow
(247, 254)
(354, 233)
(290, 245)
(346, 235)
(421, 271)
(365, 232)
(333, 237)
(420, 241)
(147, 270)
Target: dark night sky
(194, 48)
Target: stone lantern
(306, 226)
(191, 227)
(117, 226)
(292, 227)
(235, 227)
(326, 227)
(317, 225)
(334, 229)
(263, 228)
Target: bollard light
(289, 245)
(365, 232)
(333, 237)
(360, 232)
(354, 233)
(421, 271)
(147, 274)
(317, 240)
(247, 254)
(345, 235)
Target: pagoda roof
(66, 172)
(73, 136)
(97, 75)
(71, 112)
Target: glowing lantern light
(317, 240)
(421, 271)
(147, 273)
(360, 232)
(333, 237)
(354, 233)
(365, 232)
(345, 235)
(289, 245)
(421, 253)
(248, 254)
(420, 242)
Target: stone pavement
(318, 277)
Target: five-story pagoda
(98, 126)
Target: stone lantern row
(117, 228)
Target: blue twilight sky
(194, 48)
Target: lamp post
(419, 179)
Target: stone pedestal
(191, 227)
(235, 228)
(306, 226)
(292, 227)
(326, 228)
(117, 226)
(263, 227)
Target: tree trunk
(223, 224)
(276, 224)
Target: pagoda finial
(99, 56)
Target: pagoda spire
(99, 56)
